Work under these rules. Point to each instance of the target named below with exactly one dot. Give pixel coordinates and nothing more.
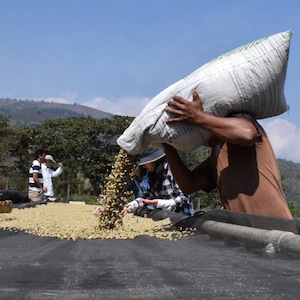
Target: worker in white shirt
(48, 173)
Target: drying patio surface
(196, 266)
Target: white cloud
(285, 138)
(124, 107)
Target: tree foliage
(13, 154)
(85, 146)
(201, 200)
(290, 175)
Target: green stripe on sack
(240, 49)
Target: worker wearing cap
(48, 173)
(162, 192)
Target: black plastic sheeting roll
(275, 234)
(14, 195)
(225, 216)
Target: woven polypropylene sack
(249, 79)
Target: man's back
(248, 178)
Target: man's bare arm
(229, 129)
(189, 181)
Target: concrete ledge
(77, 202)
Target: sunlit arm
(229, 129)
(189, 181)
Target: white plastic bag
(249, 79)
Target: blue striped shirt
(35, 168)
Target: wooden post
(68, 193)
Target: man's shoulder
(36, 165)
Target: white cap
(49, 157)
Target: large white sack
(248, 79)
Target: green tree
(13, 155)
(202, 200)
(85, 146)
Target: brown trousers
(34, 196)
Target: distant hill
(290, 173)
(29, 113)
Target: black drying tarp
(194, 267)
(143, 268)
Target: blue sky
(115, 55)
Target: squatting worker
(36, 189)
(242, 164)
(161, 190)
